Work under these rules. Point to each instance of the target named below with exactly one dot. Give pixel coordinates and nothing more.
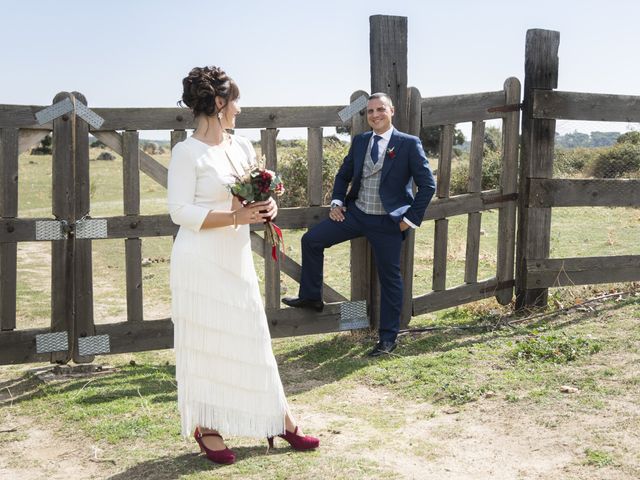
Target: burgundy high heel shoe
(297, 442)
(224, 457)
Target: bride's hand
(257, 212)
(272, 208)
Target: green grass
(597, 458)
(131, 412)
(132, 415)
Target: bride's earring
(220, 115)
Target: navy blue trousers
(385, 238)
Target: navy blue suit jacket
(406, 162)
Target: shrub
(630, 137)
(574, 161)
(293, 168)
(617, 161)
(491, 167)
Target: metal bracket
(60, 229)
(50, 230)
(350, 110)
(65, 106)
(93, 345)
(91, 228)
(52, 342)
(353, 315)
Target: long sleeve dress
(227, 376)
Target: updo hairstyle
(203, 85)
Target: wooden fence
(540, 192)
(74, 230)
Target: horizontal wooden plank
(19, 346)
(289, 322)
(147, 163)
(293, 269)
(558, 272)
(138, 226)
(607, 192)
(151, 118)
(459, 295)
(21, 116)
(454, 109)
(138, 336)
(467, 203)
(586, 106)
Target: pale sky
(128, 53)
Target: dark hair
(381, 95)
(203, 85)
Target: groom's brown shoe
(296, 302)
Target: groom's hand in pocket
(336, 213)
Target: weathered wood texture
(584, 193)
(314, 162)
(148, 165)
(441, 229)
(9, 139)
(459, 295)
(133, 246)
(30, 138)
(388, 60)
(454, 109)
(474, 220)
(414, 101)
(536, 159)
(83, 321)
(271, 267)
(23, 116)
(160, 225)
(292, 269)
(361, 256)
(441, 237)
(509, 187)
(585, 106)
(63, 206)
(557, 272)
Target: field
(483, 394)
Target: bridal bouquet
(256, 185)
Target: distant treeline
(586, 140)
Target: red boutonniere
(391, 152)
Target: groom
(380, 206)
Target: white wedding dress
(227, 376)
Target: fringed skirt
(227, 376)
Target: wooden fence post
(508, 186)
(8, 209)
(271, 267)
(83, 324)
(536, 161)
(63, 209)
(388, 52)
(132, 246)
(361, 274)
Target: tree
(629, 137)
(430, 138)
(44, 148)
(604, 139)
